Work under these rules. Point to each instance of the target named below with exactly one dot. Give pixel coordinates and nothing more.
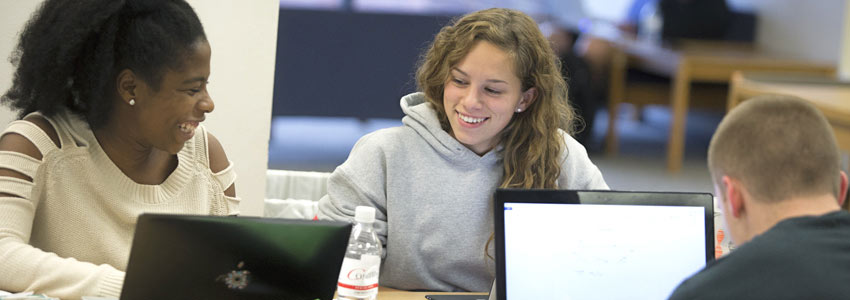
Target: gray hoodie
(433, 199)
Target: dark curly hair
(71, 51)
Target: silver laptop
(561, 244)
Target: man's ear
(842, 190)
(736, 196)
(126, 83)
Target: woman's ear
(126, 83)
(528, 97)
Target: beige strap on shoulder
(33, 133)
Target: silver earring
(519, 110)
(132, 102)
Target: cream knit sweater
(69, 232)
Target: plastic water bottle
(358, 279)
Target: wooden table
(829, 95)
(690, 62)
(385, 293)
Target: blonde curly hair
(532, 143)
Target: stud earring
(519, 110)
(132, 102)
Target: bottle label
(359, 278)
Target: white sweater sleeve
(24, 267)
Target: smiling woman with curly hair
(492, 112)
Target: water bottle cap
(364, 214)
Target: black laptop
(216, 257)
(562, 244)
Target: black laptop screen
(217, 257)
(600, 245)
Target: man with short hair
(775, 168)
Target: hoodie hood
(421, 116)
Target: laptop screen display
(579, 250)
(599, 247)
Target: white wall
(243, 37)
(810, 30)
(844, 60)
(13, 15)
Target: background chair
(294, 194)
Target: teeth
(186, 127)
(471, 119)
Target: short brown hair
(778, 147)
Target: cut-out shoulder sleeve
(221, 167)
(225, 177)
(23, 146)
(218, 159)
(24, 136)
(45, 126)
